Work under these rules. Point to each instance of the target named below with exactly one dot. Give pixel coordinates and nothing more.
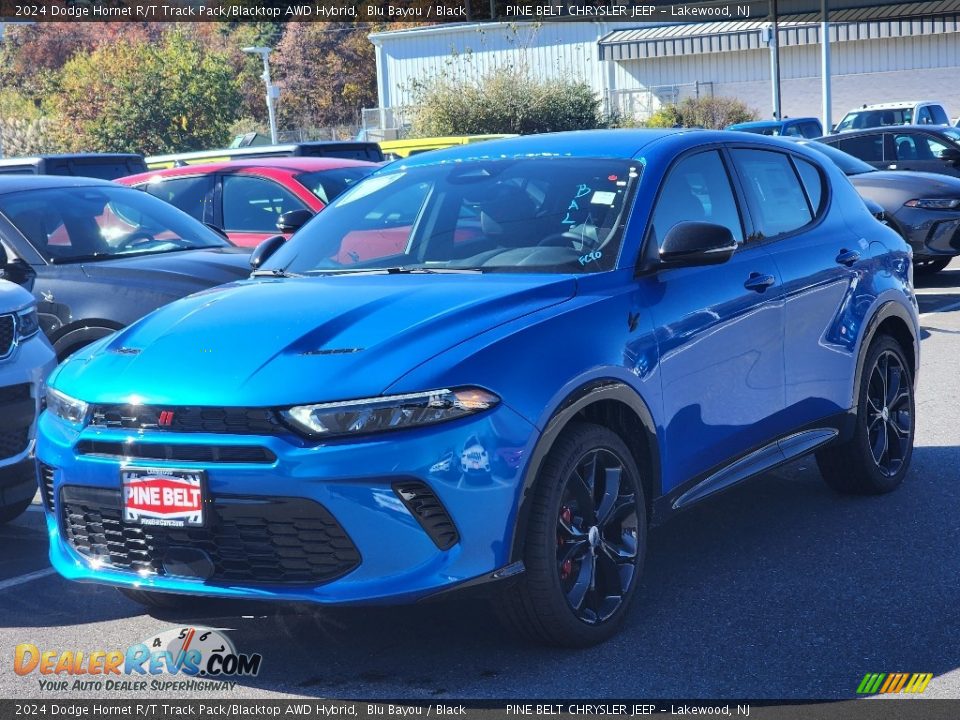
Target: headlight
(28, 324)
(392, 412)
(934, 203)
(67, 408)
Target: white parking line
(945, 308)
(22, 579)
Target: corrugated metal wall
(469, 51)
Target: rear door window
(778, 201)
(868, 148)
(190, 194)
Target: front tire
(585, 542)
(876, 459)
(14, 510)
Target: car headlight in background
(934, 203)
(28, 323)
(67, 408)
(391, 412)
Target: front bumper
(930, 232)
(356, 482)
(21, 383)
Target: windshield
(848, 163)
(950, 133)
(521, 215)
(91, 223)
(328, 184)
(875, 118)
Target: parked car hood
(13, 297)
(270, 342)
(915, 184)
(182, 272)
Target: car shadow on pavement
(777, 589)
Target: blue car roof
(580, 143)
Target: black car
(98, 256)
(923, 207)
(105, 166)
(920, 148)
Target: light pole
(273, 92)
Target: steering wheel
(137, 237)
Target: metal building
(636, 68)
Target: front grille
(182, 453)
(46, 485)
(248, 540)
(7, 334)
(426, 507)
(223, 421)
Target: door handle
(848, 257)
(758, 282)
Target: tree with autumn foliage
(135, 96)
(326, 72)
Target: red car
(245, 198)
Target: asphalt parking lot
(777, 589)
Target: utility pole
(273, 92)
(825, 89)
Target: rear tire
(585, 542)
(876, 459)
(13, 511)
(930, 265)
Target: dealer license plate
(164, 497)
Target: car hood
(273, 342)
(13, 297)
(182, 272)
(914, 184)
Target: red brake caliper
(567, 516)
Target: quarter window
(777, 199)
(697, 189)
(812, 183)
(252, 204)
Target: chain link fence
(640, 104)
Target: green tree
(506, 100)
(135, 96)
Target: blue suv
(491, 366)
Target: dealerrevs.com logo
(202, 658)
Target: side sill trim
(766, 458)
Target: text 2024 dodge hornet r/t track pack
(493, 364)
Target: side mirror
(293, 220)
(262, 252)
(951, 155)
(697, 243)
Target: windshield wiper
(276, 273)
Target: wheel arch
(610, 403)
(892, 319)
(72, 337)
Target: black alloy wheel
(597, 536)
(890, 413)
(875, 458)
(583, 543)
